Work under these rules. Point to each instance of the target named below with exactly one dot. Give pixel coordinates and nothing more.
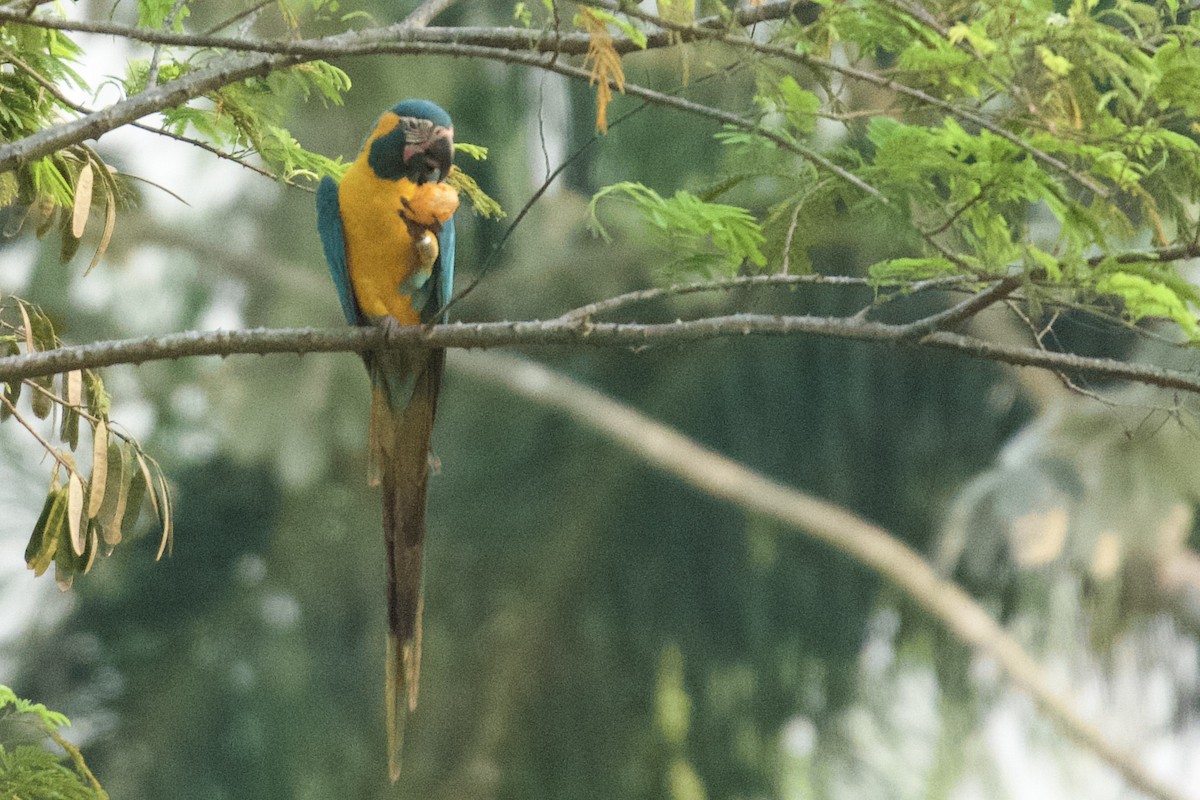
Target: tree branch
(960, 313)
(537, 39)
(169, 95)
(745, 281)
(207, 79)
(54, 92)
(717, 476)
(551, 333)
(393, 40)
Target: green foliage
(27, 771)
(796, 105)
(48, 720)
(673, 712)
(1013, 110)
(36, 58)
(1147, 297)
(157, 13)
(1090, 114)
(702, 238)
(475, 151)
(484, 205)
(247, 118)
(27, 768)
(524, 14)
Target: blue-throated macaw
(388, 234)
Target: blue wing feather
(446, 256)
(329, 225)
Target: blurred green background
(593, 629)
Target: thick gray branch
(572, 332)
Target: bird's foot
(391, 326)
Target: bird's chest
(378, 237)
(382, 250)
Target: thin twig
(24, 423)
(968, 308)
(917, 12)
(787, 241)
(156, 55)
(551, 176)
(654, 293)
(77, 759)
(225, 23)
(218, 152)
(964, 208)
(41, 80)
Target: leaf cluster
(85, 512)
(701, 237)
(247, 118)
(27, 768)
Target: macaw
(388, 234)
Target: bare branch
(746, 281)
(557, 333)
(424, 14)
(968, 308)
(717, 476)
(535, 39)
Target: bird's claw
(390, 325)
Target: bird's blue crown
(423, 109)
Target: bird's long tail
(403, 404)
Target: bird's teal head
(414, 140)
